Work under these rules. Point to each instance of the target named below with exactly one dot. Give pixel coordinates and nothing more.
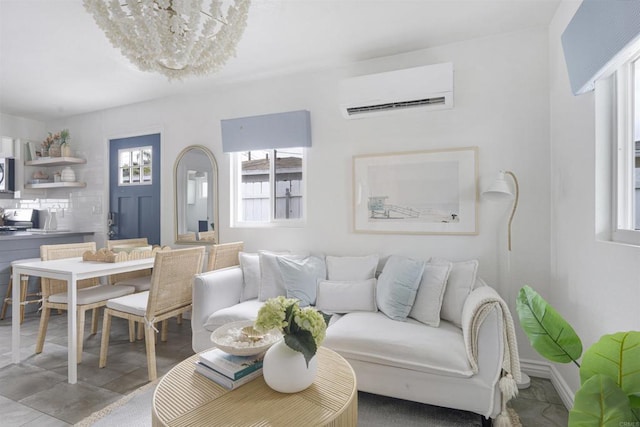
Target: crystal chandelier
(176, 38)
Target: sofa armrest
(212, 291)
(489, 334)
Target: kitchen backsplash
(78, 212)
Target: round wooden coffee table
(186, 398)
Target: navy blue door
(134, 188)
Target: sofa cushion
(301, 277)
(397, 286)
(352, 267)
(346, 296)
(426, 308)
(247, 310)
(271, 283)
(374, 338)
(250, 265)
(459, 285)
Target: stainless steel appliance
(7, 175)
(19, 220)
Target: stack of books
(228, 370)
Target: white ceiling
(56, 62)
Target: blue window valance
(268, 131)
(596, 37)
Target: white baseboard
(535, 368)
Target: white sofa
(402, 359)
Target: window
(627, 154)
(269, 185)
(134, 166)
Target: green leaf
(326, 317)
(618, 357)
(600, 402)
(551, 335)
(303, 342)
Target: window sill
(626, 237)
(275, 224)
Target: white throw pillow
(426, 308)
(271, 283)
(351, 267)
(301, 277)
(398, 285)
(346, 296)
(459, 285)
(250, 265)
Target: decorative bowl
(240, 339)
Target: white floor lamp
(501, 190)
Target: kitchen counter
(20, 235)
(26, 244)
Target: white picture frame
(419, 192)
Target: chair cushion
(374, 338)
(134, 304)
(247, 310)
(140, 284)
(94, 294)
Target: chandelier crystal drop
(177, 38)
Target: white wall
(501, 106)
(595, 284)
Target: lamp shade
(499, 189)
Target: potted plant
(290, 365)
(65, 143)
(609, 394)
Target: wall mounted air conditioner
(420, 88)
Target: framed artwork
(420, 192)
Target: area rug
(134, 410)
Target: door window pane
(135, 166)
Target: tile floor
(36, 393)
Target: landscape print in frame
(420, 192)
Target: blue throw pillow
(301, 277)
(398, 285)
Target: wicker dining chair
(170, 295)
(141, 279)
(91, 295)
(224, 255)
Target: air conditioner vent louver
(396, 105)
(428, 87)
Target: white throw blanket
(479, 304)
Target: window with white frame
(627, 154)
(269, 185)
(268, 161)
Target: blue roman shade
(596, 37)
(269, 131)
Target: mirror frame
(212, 195)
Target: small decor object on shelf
(68, 175)
(54, 142)
(290, 365)
(65, 143)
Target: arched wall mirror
(195, 187)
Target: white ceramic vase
(68, 175)
(286, 371)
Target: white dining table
(71, 270)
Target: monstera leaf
(600, 402)
(618, 357)
(547, 331)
